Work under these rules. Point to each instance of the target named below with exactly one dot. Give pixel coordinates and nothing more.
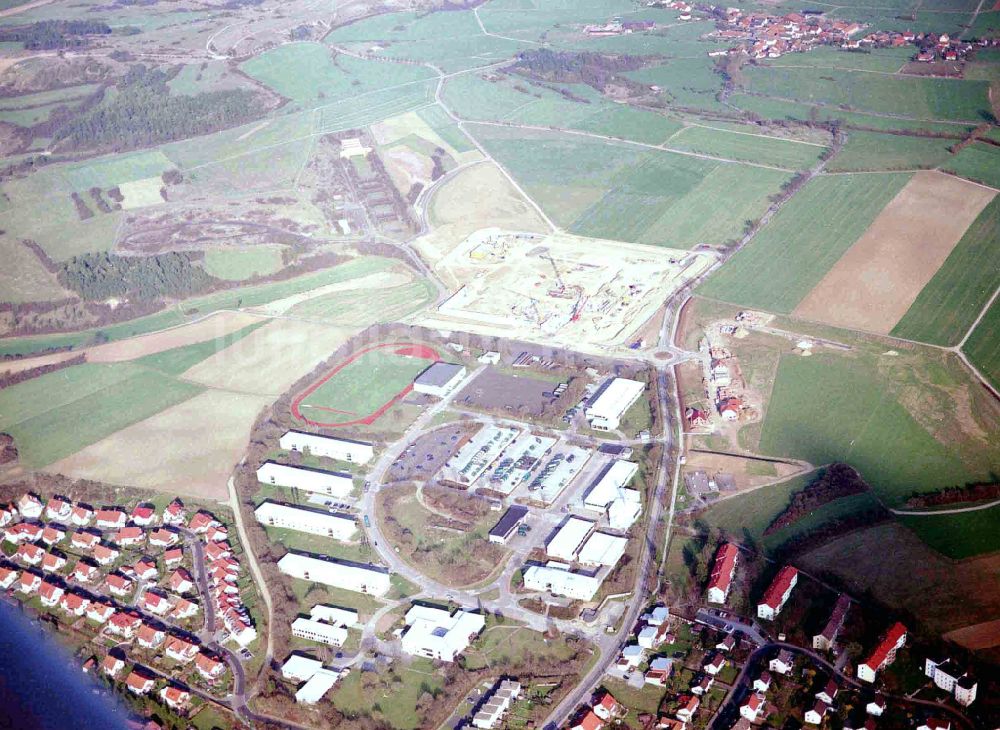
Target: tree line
(47, 35)
(101, 276)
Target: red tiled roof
(143, 512)
(722, 568)
(608, 700)
(590, 721)
(779, 586)
(137, 681)
(885, 647)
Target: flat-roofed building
(439, 379)
(299, 668)
(561, 582)
(568, 540)
(357, 452)
(370, 579)
(602, 549)
(437, 634)
(609, 483)
(334, 615)
(339, 527)
(318, 631)
(332, 483)
(611, 401)
(318, 685)
(510, 521)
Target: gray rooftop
(438, 374)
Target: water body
(41, 685)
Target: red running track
(404, 349)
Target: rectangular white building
(298, 668)
(602, 549)
(608, 405)
(492, 710)
(273, 514)
(334, 484)
(436, 634)
(611, 481)
(323, 633)
(561, 582)
(318, 685)
(369, 579)
(566, 543)
(439, 379)
(335, 615)
(357, 452)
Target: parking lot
(424, 457)
(498, 392)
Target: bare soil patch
(873, 285)
(746, 472)
(188, 450)
(270, 359)
(977, 636)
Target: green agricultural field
(107, 172)
(945, 309)
(769, 108)
(23, 278)
(250, 296)
(831, 408)
(624, 192)
(874, 151)
(180, 359)
(747, 147)
(916, 97)
(375, 106)
(685, 82)
(239, 264)
(803, 241)
(312, 75)
(363, 386)
(446, 128)
(748, 515)
(983, 345)
(57, 414)
(960, 535)
(885, 60)
(979, 162)
(353, 308)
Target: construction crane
(559, 280)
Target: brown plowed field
(219, 324)
(875, 282)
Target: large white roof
(561, 582)
(321, 682)
(300, 667)
(603, 549)
(614, 398)
(611, 481)
(567, 541)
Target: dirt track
(873, 285)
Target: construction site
(587, 293)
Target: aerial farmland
(500, 364)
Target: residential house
(50, 593)
(8, 513)
(201, 521)
(753, 706)
(935, 723)
(53, 562)
(175, 698)
(112, 665)
(105, 555)
(181, 581)
(876, 706)
(128, 536)
(714, 665)
(139, 684)
(145, 569)
(173, 557)
(8, 577)
(30, 506)
(110, 519)
(84, 540)
(74, 604)
(144, 515)
(607, 706)
(688, 706)
(659, 671)
(652, 636)
(100, 611)
(155, 603)
(30, 554)
(29, 582)
(209, 667)
(175, 514)
(58, 509)
(161, 537)
(782, 664)
(829, 691)
(763, 683)
(124, 624)
(184, 609)
(727, 644)
(181, 650)
(149, 636)
(703, 685)
(53, 534)
(815, 715)
(588, 721)
(81, 515)
(118, 584)
(824, 640)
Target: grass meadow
(239, 264)
(748, 147)
(830, 408)
(959, 536)
(983, 345)
(979, 162)
(875, 151)
(803, 241)
(950, 302)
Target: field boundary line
(751, 134)
(982, 313)
(936, 512)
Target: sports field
(945, 309)
(803, 241)
(877, 279)
(830, 408)
(364, 386)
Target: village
(149, 596)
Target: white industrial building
(357, 452)
(612, 400)
(609, 484)
(335, 615)
(318, 685)
(298, 668)
(561, 582)
(349, 576)
(335, 484)
(273, 514)
(439, 379)
(602, 549)
(436, 634)
(568, 540)
(625, 510)
(318, 631)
